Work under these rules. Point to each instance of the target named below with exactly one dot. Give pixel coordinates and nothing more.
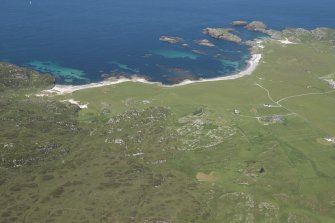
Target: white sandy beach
(72, 101)
(286, 42)
(66, 89)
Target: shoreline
(253, 62)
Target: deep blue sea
(82, 41)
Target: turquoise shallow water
(65, 73)
(175, 54)
(82, 41)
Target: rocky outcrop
(222, 33)
(302, 35)
(274, 34)
(200, 52)
(170, 39)
(239, 23)
(204, 42)
(331, 83)
(257, 26)
(18, 78)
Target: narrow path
(244, 135)
(259, 117)
(268, 93)
(300, 95)
(293, 96)
(289, 97)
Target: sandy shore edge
(66, 89)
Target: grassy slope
(298, 166)
(103, 181)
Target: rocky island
(222, 33)
(259, 26)
(256, 26)
(204, 42)
(170, 39)
(239, 23)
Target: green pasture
(147, 153)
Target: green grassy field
(146, 153)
